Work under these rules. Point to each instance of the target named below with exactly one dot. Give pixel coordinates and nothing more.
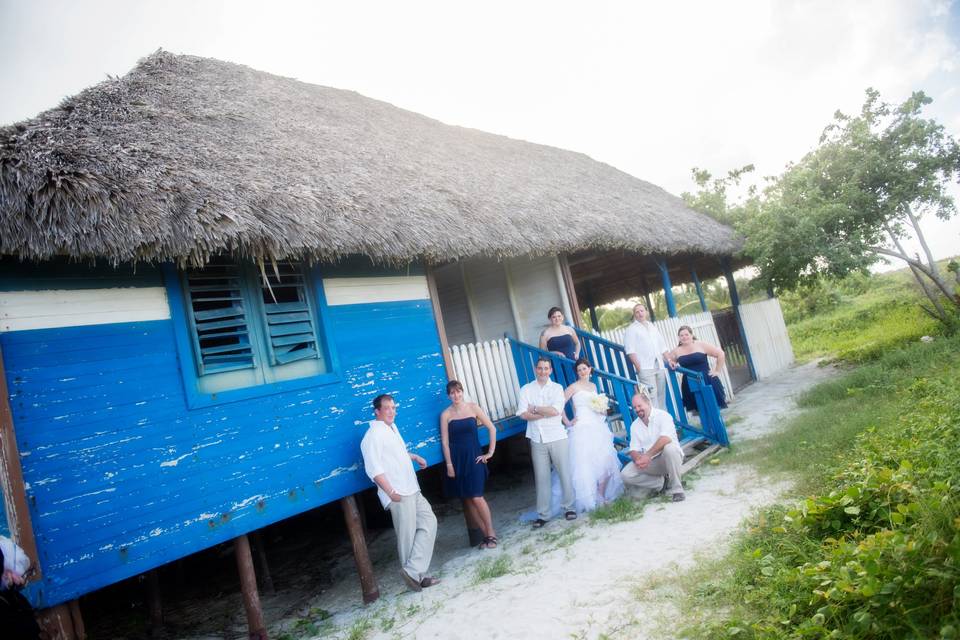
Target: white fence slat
(493, 395)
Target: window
(249, 327)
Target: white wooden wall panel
(486, 285)
(54, 308)
(454, 304)
(767, 337)
(536, 288)
(340, 291)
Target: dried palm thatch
(187, 157)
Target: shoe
(489, 542)
(570, 515)
(538, 523)
(429, 581)
(413, 584)
(679, 497)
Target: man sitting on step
(655, 451)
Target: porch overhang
(601, 277)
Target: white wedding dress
(593, 459)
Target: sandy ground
(568, 580)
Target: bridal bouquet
(600, 403)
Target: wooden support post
(667, 288)
(735, 301)
(368, 581)
(256, 628)
(154, 602)
(438, 319)
(646, 298)
(263, 569)
(593, 311)
(567, 277)
(696, 283)
(62, 622)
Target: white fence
(767, 337)
(703, 329)
(488, 375)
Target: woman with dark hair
(466, 463)
(558, 337)
(595, 469)
(692, 354)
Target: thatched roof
(185, 157)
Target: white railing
(703, 329)
(767, 337)
(488, 375)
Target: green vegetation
(873, 549)
(490, 568)
(855, 319)
(622, 509)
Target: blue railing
(620, 389)
(610, 357)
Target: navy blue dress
(471, 476)
(565, 344)
(698, 362)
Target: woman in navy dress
(692, 354)
(466, 463)
(558, 337)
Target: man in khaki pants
(654, 450)
(388, 463)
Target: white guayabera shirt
(643, 437)
(384, 451)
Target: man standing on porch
(646, 349)
(541, 405)
(387, 462)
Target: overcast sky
(651, 88)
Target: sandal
(538, 523)
(490, 542)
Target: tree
(712, 197)
(856, 198)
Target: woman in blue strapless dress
(558, 337)
(466, 464)
(692, 354)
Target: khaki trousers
(543, 454)
(668, 463)
(656, 382)
(416, 528)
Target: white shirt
(385, 452)
(644, 340)
(644, 436)
(547, 395)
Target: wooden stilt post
(368, 581)
(257, 630)
(154, 602)
(263, 569)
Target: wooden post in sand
(368, 581)
(257, 630)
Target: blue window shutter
(218, 318)
(289, 323)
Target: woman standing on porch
(558, 337)
(466, 463)
(692, 354)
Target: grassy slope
(870, 546)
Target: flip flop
(490, 542)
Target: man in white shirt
(541, 405)
(388, 463)
(654, 450)
(646, 349)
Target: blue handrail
(620, 389)
(601, 351)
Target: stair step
(700, 458)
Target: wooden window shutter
(219, 319)
(289, 322)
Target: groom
(541, 405)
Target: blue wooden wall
(121, 476)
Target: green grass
(873, 549)
(490, 568)
(622, 509)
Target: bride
(593, 460)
